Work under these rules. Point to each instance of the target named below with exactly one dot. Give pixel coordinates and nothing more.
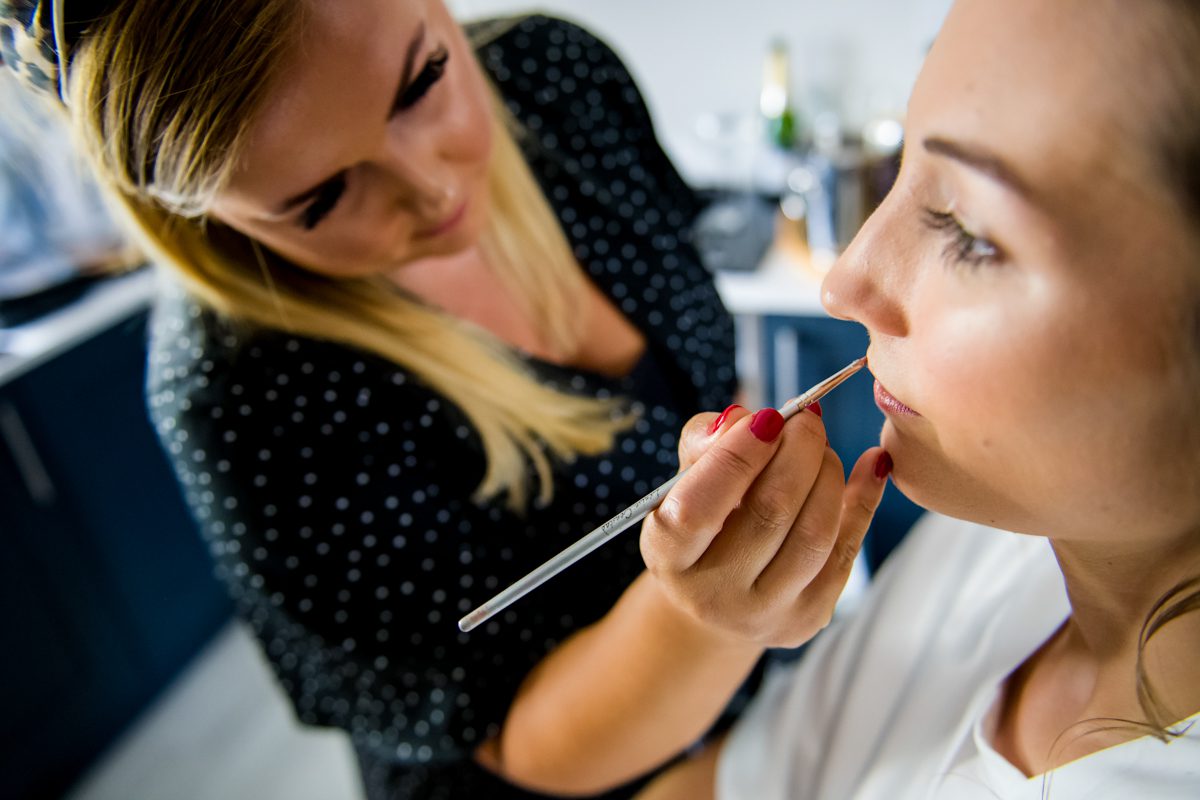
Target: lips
(446, 225)
(890, 405)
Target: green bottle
(775, 102)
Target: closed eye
(326, 198)
(330, 193)
(962, 247)
(433, 71)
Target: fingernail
(816, 408)
(766, 424)
(883, 466)
(719, 421)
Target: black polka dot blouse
(334, 488)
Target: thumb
(702, 430)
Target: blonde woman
(434, 315)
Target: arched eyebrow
(406, 77)
(980, 160)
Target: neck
(1113, 592)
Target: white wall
(692, 57)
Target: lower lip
(445, 227)
(890, 405)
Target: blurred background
(126, 676)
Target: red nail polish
(883, 466)
(766, 424)
(816, 408)
(719, 421)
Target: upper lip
(445, 222)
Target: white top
(894, 703)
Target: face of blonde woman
(373, 147)
(1031, 286)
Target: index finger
(680, 530)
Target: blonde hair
(164, 135)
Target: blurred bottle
(775, 101)
(778, 154)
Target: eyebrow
(980, 160)
(406, 76)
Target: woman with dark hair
(1032, 291)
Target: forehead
(1049, 86)
(332, 93)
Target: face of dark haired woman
(1030, 283)
(373, 147)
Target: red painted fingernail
(766, 424)
(816, 408)
(719, 421)
(883, 466)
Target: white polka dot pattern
(333, 488)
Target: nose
(867, 283)
(422, 181)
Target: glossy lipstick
(889, 404)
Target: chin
(934, 482)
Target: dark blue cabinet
(106, 588)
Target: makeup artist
(431, 314)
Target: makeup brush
(629, 517)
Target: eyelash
(962, 247)
(323, 203)
(435, 67)
(332, 192)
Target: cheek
(345, 247)
(987, 379)
(1026, 433)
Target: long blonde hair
(164, 134)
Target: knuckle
(732, 463)
(811, 549)
(677, 521)
(770, 510)
(862, 508)
(845, 551)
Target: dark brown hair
(1175, 143)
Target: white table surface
(780, 286)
